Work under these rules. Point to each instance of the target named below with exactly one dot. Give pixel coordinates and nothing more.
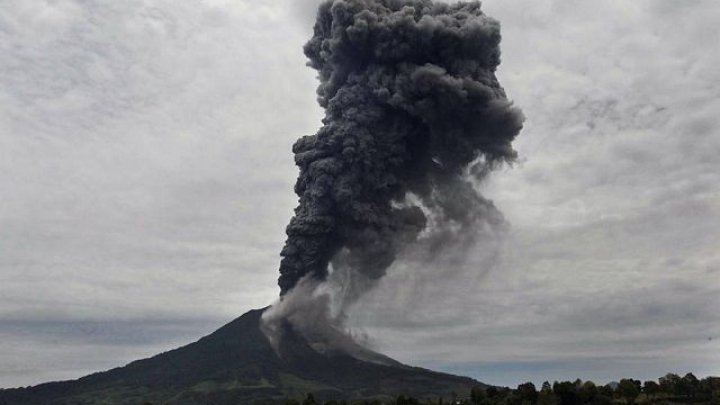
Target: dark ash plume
(413, 113)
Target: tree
(669, 383)
(709, 387)
(606, 390)
(688, 385)
(628, 389)
(527, 393)
(546, 396)
(587, 392)
(566, 393)
(650, 387)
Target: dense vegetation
(668, 390)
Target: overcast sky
(146, 181)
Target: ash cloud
(309, 310)
(412, 106)
(414, 119)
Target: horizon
(147, 176)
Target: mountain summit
(236, 364)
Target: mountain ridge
(236, 364)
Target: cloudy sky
(146, 181)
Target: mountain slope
(236, 364)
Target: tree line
(670, 389)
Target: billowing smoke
(414, 119)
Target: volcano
(236, 364)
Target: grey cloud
(110, 332)
(64, 348)
(126, 162)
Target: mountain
(237, 365)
